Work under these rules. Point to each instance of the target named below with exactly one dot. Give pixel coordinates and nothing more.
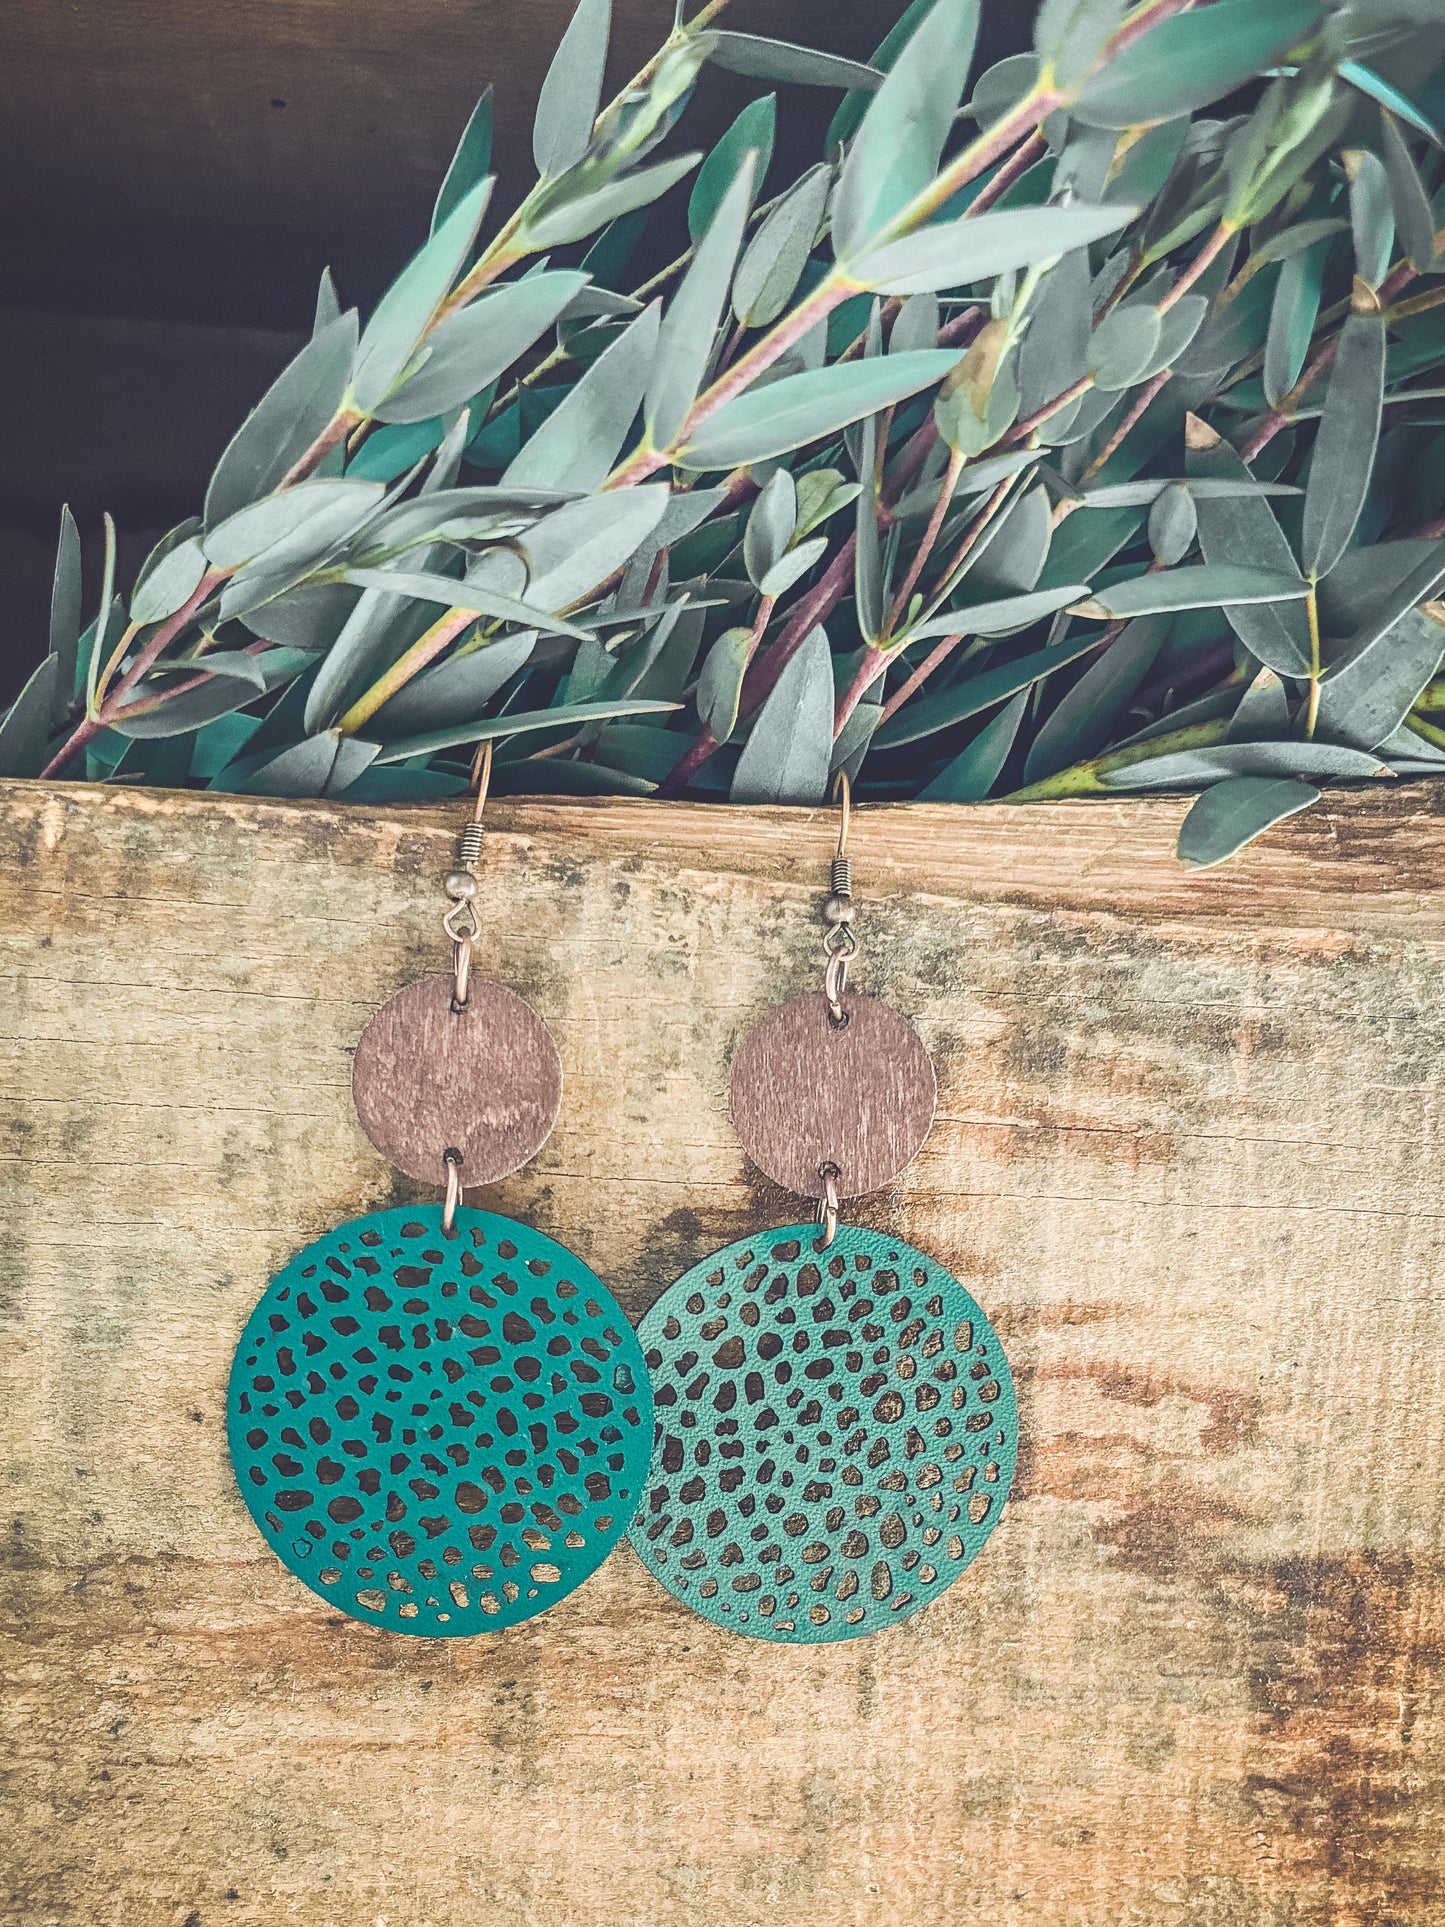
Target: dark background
(174, 174)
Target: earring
(439, 1418)
(835, 1428)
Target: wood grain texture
(485, 1081)
(1187, 1155)
(805, 1093)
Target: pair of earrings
(442, 1422)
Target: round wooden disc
(485, 1081)
(805, 1093)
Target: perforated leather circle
(834, 1434)
(439, 1436)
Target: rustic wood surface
(1188, 1154)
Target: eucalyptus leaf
(110, 614)
(67, 610)
(1189, 61)
(896, 151)
(1396, 103)
(572, 90)
(770, 525)
(754, 129)
(1263, 712)
(929, 714)
(171, 583)
(1372, 214)
(1414, 218)
(1055, 351)
(802, 408)
(1292, 317)
(1365, 699)
(719, 686)
(1214, 585)
(1173, 525)
(1012, 555)
(979, 247)
(1237, 531)
(461, 597)
(580, 440)
(786, 757)
(690, 324)
(773, 263)
(575, 548)
(576, 216)
(390, 338)
(207, 702)
(762, 59)
(476, 345)
(470, 164)
(1344, 451)
(973, 772)
(790, 568)
(25, 726)
(520, 722)
(1083, 722)
(1232, 813)
(1123, 345)
(285, 422)
(1188, 769)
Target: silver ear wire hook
(460, 922)
(840, 945)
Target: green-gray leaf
(973, 773)
(584, 213)
(172, 582)
(391, 336)
(1366, 699)
(929, 714)
(1292, 316)
(580, 440)
(1215, 585)
(1232, 813)
(1085, 719)
(773, 263)
(801, 408)
(470, 163)
(1124, 344)
(756, 128)
(689, 327)
(1372, 215)
(521, 722)
(25, 727)
(1188, 768)
(465, 598)
(953, 253)
(1193, 59)
(284, 423)
(1012, 554)
(1413, 216)
(1173, 525)
(1242, 530)
(770, 525)
(786, 757)
(455, 691)
(761, 59)
(1002, 617)
(278, 520)
(896, 151)
(719, 686)
(572, 90)
(478, 344)
(1344, 452)
(67, 609)
(574, 549)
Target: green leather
(440, 1436)
(834, 1434)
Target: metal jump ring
(835, 982)
(453, 1161)
(827, 1213)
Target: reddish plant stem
(930, 535)
(1021, 431)
(334, 433)
(1028, 154)
(86, 731)
(824, 298)
(1207, 255)
(940, 652)
(1134, 415)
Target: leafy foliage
(1085, 439)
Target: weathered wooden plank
(1186, 1153)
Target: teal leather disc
(439, 1436)
(834, 1434)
